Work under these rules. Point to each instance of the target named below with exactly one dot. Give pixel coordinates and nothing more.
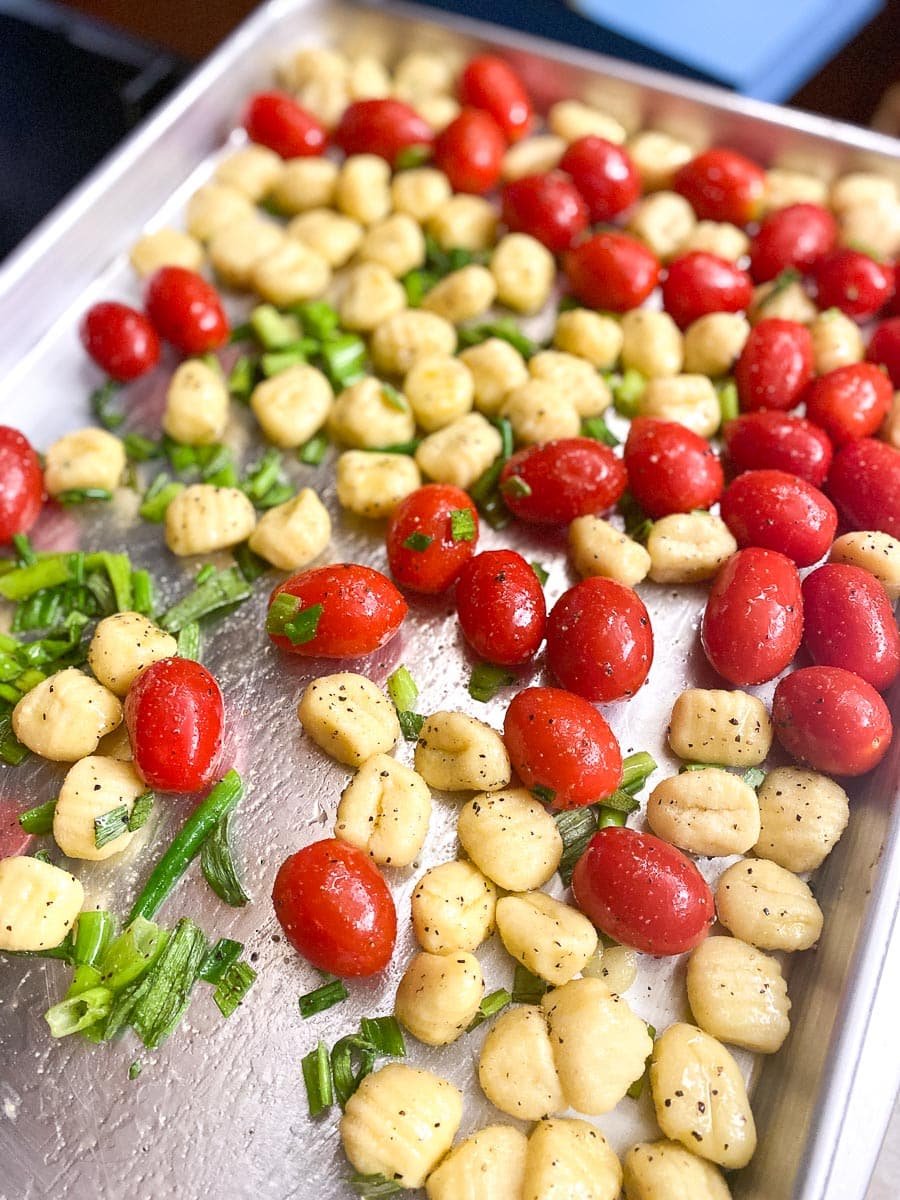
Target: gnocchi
(196, 410)
(691, 400)
(548, 937)
(787, 301)
(591, 335)
(688, 547)
(569, 1158)
(802, 817)
(731, 729)
(304, 184)
(524, 271)
(291, 535)
(440, 389)
(575, 377)
(516, 1070)
(438, 996)
(666, 1171)
(651, 343)
(400, 341)
(385, 810)
(370, 295)
(541, 411)
(599, 548)
(738, 994)
(235, 250)
(123, 645)
(369, 415)
(511, 837)
(836, 341)
(663, 221)
(65, 716)
(333, 236)
(532, 156)
(39, 903)
(453, 908)
(496, 368)
(87, 458)
(708, 812)
(459, 753)
(488, 1165)
(166, 248)
(420, 192)
(94, 787)
(204, 518)
(291, 273)
(713, 343)
(396, 243)
(720, 238)
(464, 222)
(363, 189)
(292, 405)
(785, 187)
(349, 717)
(765, 905)
(253, 170)
(571, 120)
(875, 552)
(463, 294)
(215, 206)
(371, 484)
(658, 156)
(459, 452)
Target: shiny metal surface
(220, 1108)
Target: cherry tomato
(831, 720)
(780, 512)
(782, 442)
(469, 151)
(699, 283)
(384, 127)
(175, 718)
(864, 483)
(501, 607)
(775, 365)
(599, 640)
(427, 513)
(356, 610)
(753, 620)
(854, 283)
(120, 340)
(850, 402)
(848, 621)
(336, 909)
(612, 271)
(549, 207)
(722, 185)
(558, 743)
(186, 310)
(643, 892)
(604, 174)
(490, 83)
(562, 480)
(793, 237)
(21, 484)
(276, 120)
(671, 469)
(884, 348)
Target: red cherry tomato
(490, 83)
(884, 348)
(604, 174)
(276, 120)
(671, 469)
(549, 207)
(336, 909)
(563, 480)
(796, 236)
(780, 512)
(854, 283)
(722, 185)
(831, 720)
(612, 271)
(359, 610)
(469, 151)
(850, 402)
(599, 640)
(21, 484)
(775, 365)
(559, 743)
(699, 283)
(186, 310)
(501, 607)
(779, 441)
(643, 892)
(385, 127)
(427, 513)
(753, 621)
(864, 483)
(175, 717)
(848, 621)
(120, 340)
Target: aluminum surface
(220, 1108)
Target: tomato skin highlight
(850, 402)
(778, 441)
(549, 207)
(853, 282)
(699, 283)
(864, 483)
(670, 468)
(643, 892)
(796, 236)
(558, 741)
(753, 621)
(186, 310)
(848, 621)
(501, 607)
(175, 718)
(384, 127)
(722, 185)
(774, 366)
(604, 174)
(120, 340)
(884, 348)
(336, 909)
(568, 478)
(782, 512)
(426, 511)
(612, 271)
(469, 151)
(831, 720)
(361, 610)
(490, 83)
(599, 640)
(21, 484)
(275, 119)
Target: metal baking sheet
(220, 1109)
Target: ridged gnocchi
(304, 184)
(165, 248)
(568, 1159)
(349, 717)
(802, 817)
(453, 907)
(65, 716)
(385, 810)
(730, 728)
(516, 1070)
(291, 535)
(293, 405)
(253, 170)
(662, 221)
(204, 518)
(363, 188)
(459, 753)
(366, 415)
(87, 458)
(372, 484)
(765, 905)
(576, 377)
(666, 1171)
(401, 340)
(657, 156)
(713, 343)
(370, 294)
(419, 192)
(524, 271)
(540, 411)
(123, 645)
(439, 995)
(708, 812)
(599, 548)
(440, 389)
(291, 273)
(459, 452)
(463, 294)
(738, 994)
(875, 552)
(235, 249)
(690, 400)
(396, 243)
(335, 237)
(464, 223)
(591, 335)
(487, 1165)
(688, 547)
(651, 343)
(548, 937)
(511, 837)
(215, 206)
(496, 368)
(196, 411)
(39, 903)
(837, 341)
(93, 787)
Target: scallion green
(319, 319)
(352, 1059)
(142, 597)
(402, 689)
(527, 987)
(93, 934)
(102, 402)
(164, 993)
(250, 565)
(506, 329)
(385, 1035)
(541, 571)
(233, 987)
(242, 377)
(78, 1012)
(272, 329)
(754, 778)
(189, 641)
(140, 812)
(317, 1078)
(313, 452)
(110, 825)
(322, 998)
(576, 828)
(225, 952)
(87, 495)
(489, 1007)
(219, 591)
(596, 428)
(38, 820)
(487, 679)
(141, 449)
(131, 954)
(217, 864)
(344, 359)
(610, 816)
(462, 525)
(418, 541)
(729, 406)
(627, 390)
(636, 770)
(374, 1187)
(157, 498)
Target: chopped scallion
(635, 1091)
(385, 1035)
(413, 156)
(217, 864)
(351, 1051)
(402, 689)
(487, 679)
(110, 825)
(418, 541)
(142, 592)
(636, 770)
(317, 1078)
(250, 565)
(374, 1187)
(410, 725)
(313, 452)
(131, 954)
(576, 828)
(272, 329)
(514, 485)
(233, 987)
(462, 525)
(225, 952)
(78, 1012)
(189, 641)
(157, 498)
(164, 993)
(141, 449)
(610, 816)
(754, 777)
(242, 377)
(285, 618)
(73, 496)
(728, 400)
(261, 476)
(544, 794)
(622, 802)
(506, 329)
(596, 428)
(135, 1069)
(344, 359)
(319, 319)
(102, 402)
(541, 571)
(38, 820)
(627, 390)
(322, 998)
(489, 1007)
(92, 936)
(527, 988)
(23, 582)
(394, 398)
(140, 812)
(220, 591)
(24, 553)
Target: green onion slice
(164, 993)
(233, 987)
(610, 816)
(157, 498)
(385, 1035)
(224, 953)
(110, 825)
(487, 679)
(140, 812)
(217, 864)
(351, 1051)
(527, 988)
(102, 402)
(541, 571)
(515, 486)
(754, 777)
(38, 820)
(636, 770)
(313, 452)
(394, 398)
(131, 954)
(462, 525)
(92, 936)
(250, 565)
(489, 1007)
(135, 1069)
(219, 591)
(418, 541)
(576, 828)
(317, 1078)
(402, 689)
(374, 1187)
(324, 997)
(78, 1012)
(188, 641)
(410, 725)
